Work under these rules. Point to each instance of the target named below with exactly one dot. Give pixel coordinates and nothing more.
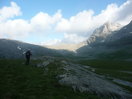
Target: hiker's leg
(28, 60)
(26, 63)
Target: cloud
(73, 38)
(15, 29)
(76, 24)
(85, 22)
(68, 39)
(21, 29)
(75, 29)
(113, 13)
(124, 13)
(43, 21)
(51, 42)
(10, 12)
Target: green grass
(19, 81)
(115, 73)
(111, 68)
(108, 64)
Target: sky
(50, 22)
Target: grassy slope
(18, 81)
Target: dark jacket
(28, 54)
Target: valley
(100, 69)
(57, 78)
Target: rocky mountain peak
(103, 31)
(106, 28)
(112, 26)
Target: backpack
(27, 53)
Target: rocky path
(83, 78)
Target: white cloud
(76, 24)
(43, 21)
(15, 29)
(124, 13)
(51, 42)
(85, 22)
(73, 38)
(121, 14)
(75, 29)
(10, 12)
(19, 29)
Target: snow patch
(19, 48)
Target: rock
(122, 82)
(85, 80)
(46, 61)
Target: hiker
(27, 55)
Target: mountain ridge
(116, 45)
(15, 49)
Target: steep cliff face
(102, 32)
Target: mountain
(16, 49)
(102, 32)
(121, 37)
(114, 43)
(108, 41)
(98, 35)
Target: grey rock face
(102, 32)
(46, 61)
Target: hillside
(16, 49)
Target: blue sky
(59, 21)
(68, 7)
